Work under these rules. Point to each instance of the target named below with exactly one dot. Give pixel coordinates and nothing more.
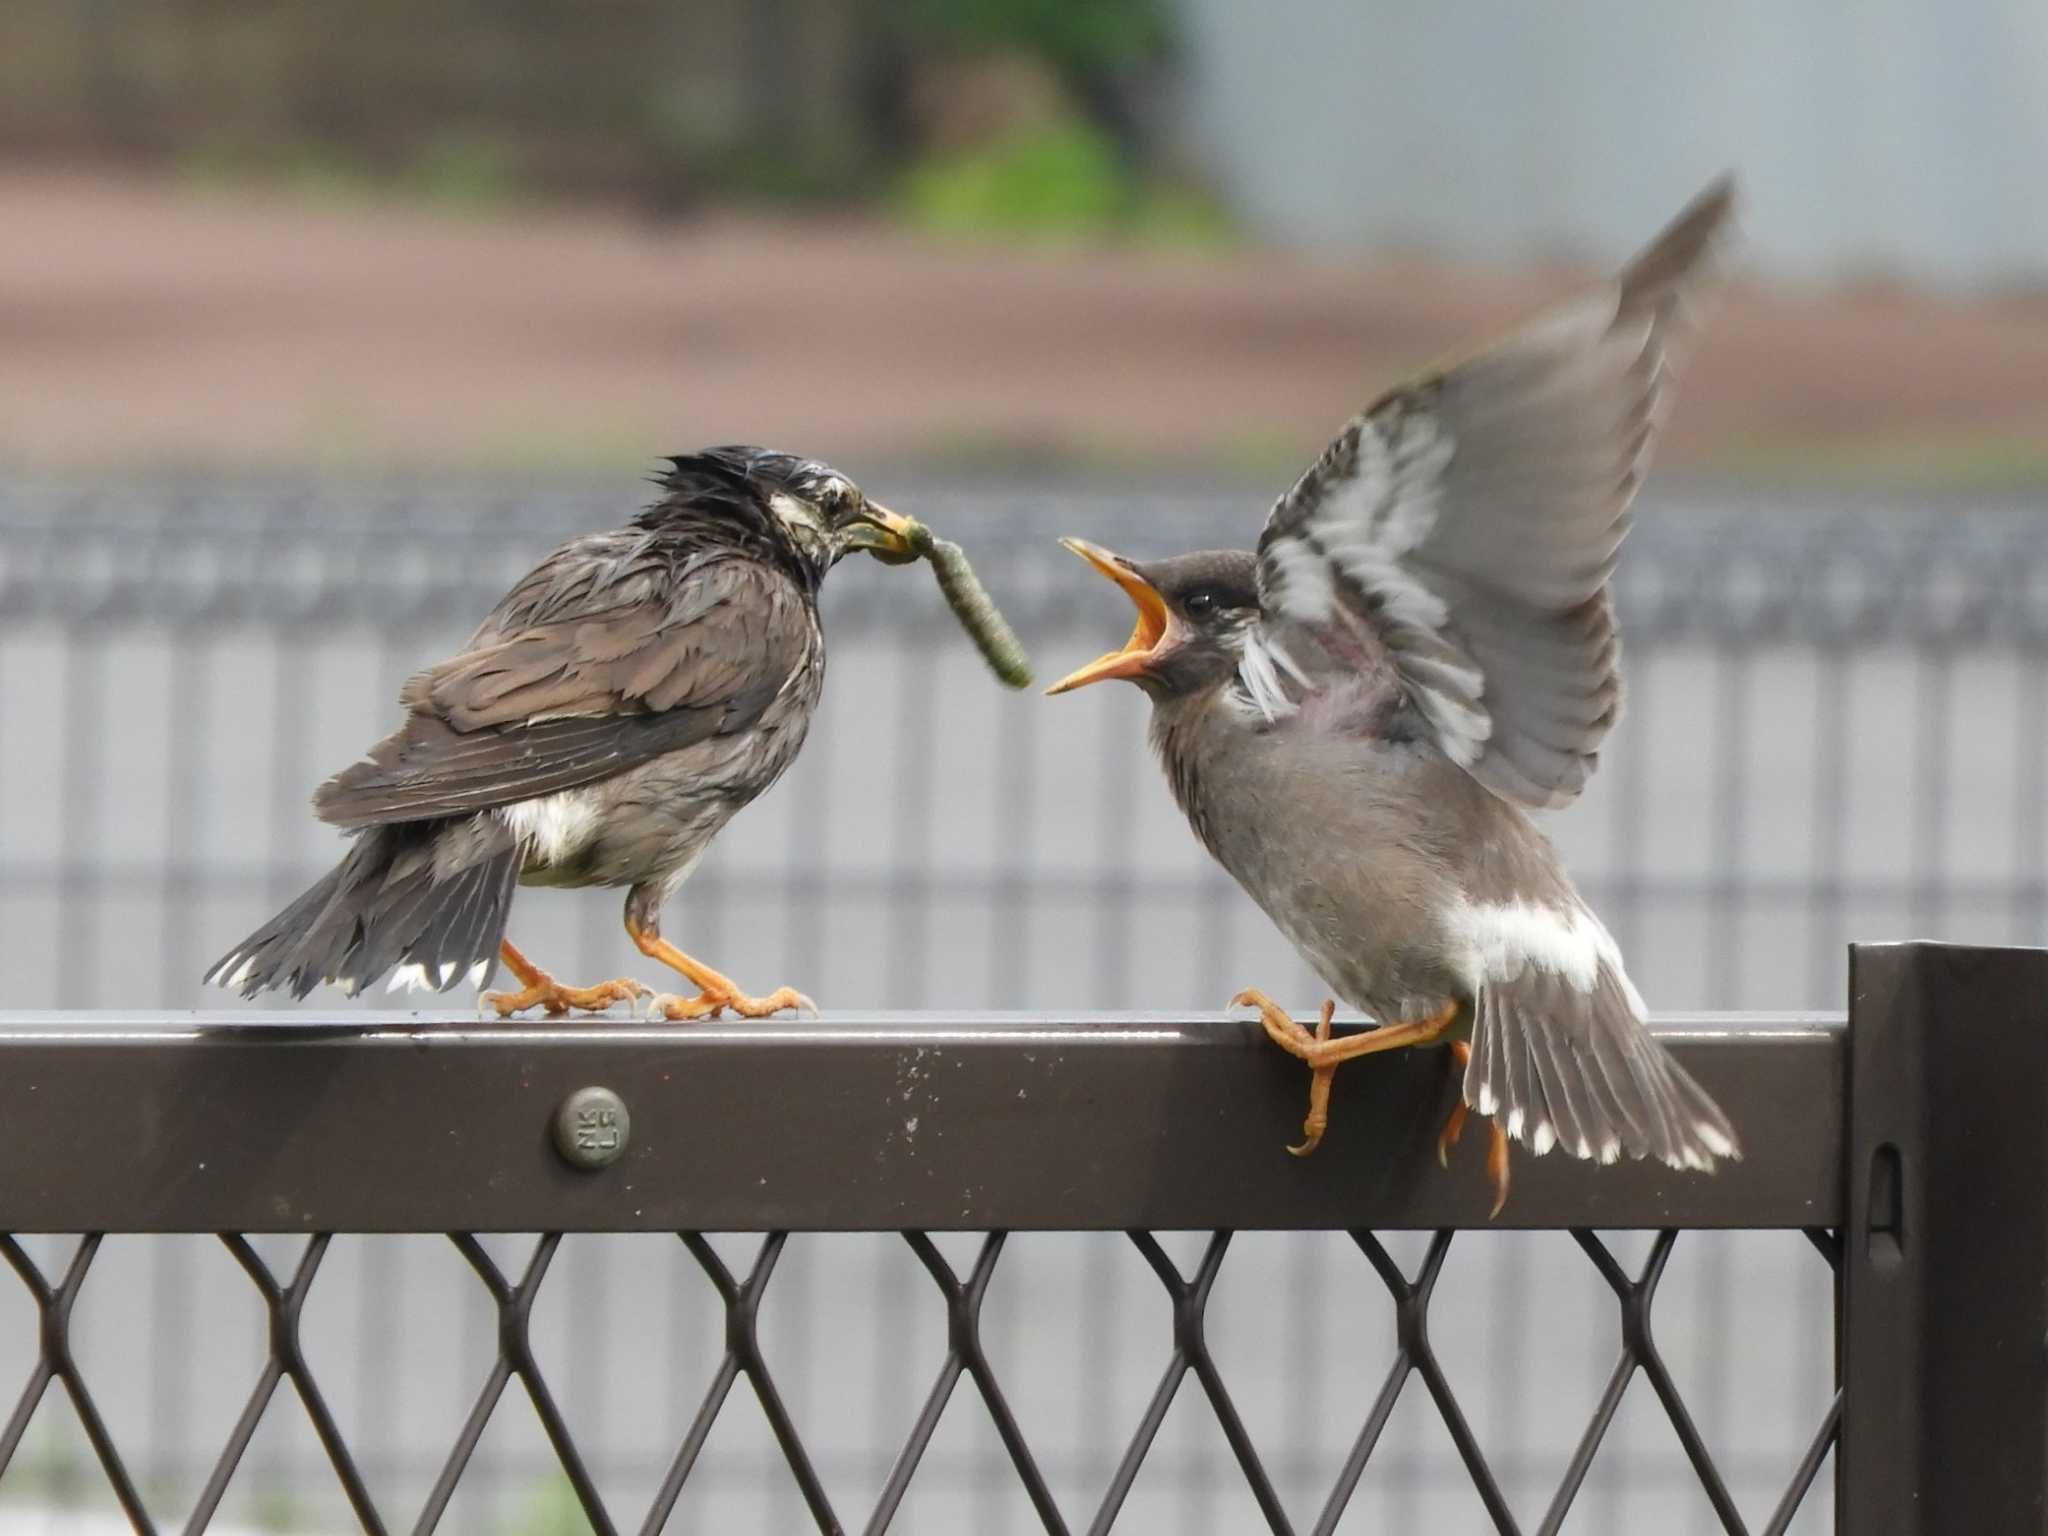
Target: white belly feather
(1497, 941)
(553, 829)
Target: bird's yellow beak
(1151, 627)
(884, 534)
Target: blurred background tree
(1040, 117)
(1008, 115)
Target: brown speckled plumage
(617, 707)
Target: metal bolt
(592, 1128)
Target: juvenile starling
(1358, 717)
(620, 703)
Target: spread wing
(601, 659)
(1464, 527)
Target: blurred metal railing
(1821, 568)
(1871, 1140)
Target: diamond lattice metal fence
(1187, 1298)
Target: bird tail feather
(1558, 1065)
(389, 906)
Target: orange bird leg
(1325, 1055)
(538, 988)
(1497, 1169)
(1454, 1125)
(714, 991)
(1497, 1139)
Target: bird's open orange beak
(1151, 628)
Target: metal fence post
(1944, 1320)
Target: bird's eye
(1201, 602)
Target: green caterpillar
(972, 606)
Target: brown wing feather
(1469, 523)
(580, 674)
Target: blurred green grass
(1063, 182)
(1949, 461)
(461, 171)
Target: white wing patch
(1399, 597)
(1370, 522)
(1365, 532)
(410, 977)
(1462, 729)
(1307, 590)
(413, 976)
(1717, 1141)
(553, 829)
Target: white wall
(1890, 137)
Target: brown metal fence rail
(1909, 1146)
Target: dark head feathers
(721, 496)
(1230, 574)
(741, 471)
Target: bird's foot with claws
(537, 989)
(716, 992)
(712, 1001)
(1325, 1055)
(546, 993)
(1497, 1139)
(1292, 1036)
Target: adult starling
(621, 702)
(1358, 717)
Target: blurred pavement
(156, 322)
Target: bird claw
(1311, 1138)
(1454, 1123)
(1323, 1055)
(1497, 1170)
(1284, 1029)
(709, 1004)
(1447, 1138)
(1496, 1143)
(1294, 1037)
(555, 999)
